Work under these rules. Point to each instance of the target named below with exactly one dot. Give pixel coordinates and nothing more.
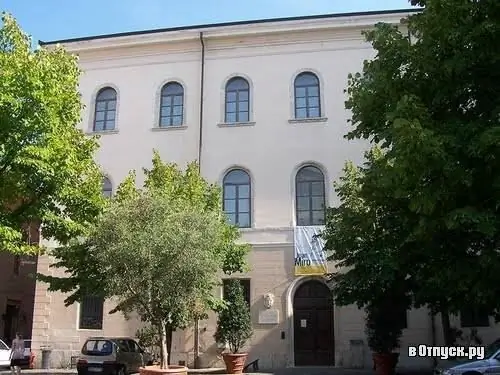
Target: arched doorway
(313, 325)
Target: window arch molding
(92, 108)
(222, 179)
(322, 104)
(250, 97)
(157, 102)
(293, 186)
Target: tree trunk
(163, 346)
(445, 322)
(169, 342)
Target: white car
(4, 354)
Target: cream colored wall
(271, 147)
(56, 326)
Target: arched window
(306, 94)
(172, 105)
(237, 100)
(105, 109)
(107, 187)
(310, 196)
(237, 198)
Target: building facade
(260, 105)
(17, 291)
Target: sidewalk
(284, 371)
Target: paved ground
(286, 371)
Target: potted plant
(234, 327)
(384, 327)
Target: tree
(47, 169)
(159, 250)
(234, 324)
(428, 101)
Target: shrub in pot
(234, 327)
(384, 327)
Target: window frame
(171, 97)
(99, 313)
(236, 198)
(106, 111)
(245, 283)
(106, 182)
(238, 101)
(474, 317)
(310, 196)
(404, 318)
(306, 96)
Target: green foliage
(234, 324)
(47, 168)
(384, 323)
(158, 250)
(149, 338)
(424, 208)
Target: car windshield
(3, 346)
(97, 347)
(492, 349)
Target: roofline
(232, 23)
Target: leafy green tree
(234, 324)
(47, 169)
(428, 100)
(159, 250)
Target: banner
(310, 258)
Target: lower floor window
(245, 284)
(474, 317)
(91, 312)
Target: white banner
(310, 257)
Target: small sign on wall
(269, 316)
(303, 323)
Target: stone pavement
(285, 371)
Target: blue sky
(61, 19)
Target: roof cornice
(233, 29)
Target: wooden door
(313, 325)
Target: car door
(494, 365)
(123, 355)
(4, 354)
(135, 356)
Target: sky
(50, 20)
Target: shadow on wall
(267, 344)
(270, 342)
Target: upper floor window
(172, 105)
(310, 196)
(105, 109)
(237, 100)
(237, 197)
(107, 187)
(306, 95)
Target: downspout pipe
(202, 99)
(200, 147)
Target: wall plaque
(269, 316)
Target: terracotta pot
(385, 363)
(156, 370)
(235, 362)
